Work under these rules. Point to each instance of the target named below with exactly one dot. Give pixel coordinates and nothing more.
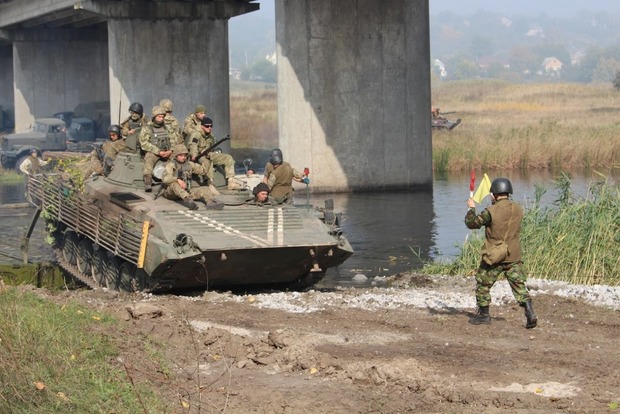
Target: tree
(617, 81)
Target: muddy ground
(366, 351)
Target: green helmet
(158, 110)
(166, 104)
(179, 149)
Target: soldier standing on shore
(502, 223)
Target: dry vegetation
(505, 126)
(254, 115)
(509, 126)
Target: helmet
(276, 156)
(158, 110)
(260, 187)
(179, 149)
(166, 104)
(114, 128)
(136, 107)
(501, 186)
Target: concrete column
(56, 69)
(182, 60)
(354, 92)
(6, 84)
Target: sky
(560, 8)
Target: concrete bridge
(353, 75)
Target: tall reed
(576, 240)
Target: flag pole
(472, 182)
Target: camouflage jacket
(148, 137)
(172, 121)
(191, 124)
(112, 148)
(175, 170)
(199, 141)
(126, 127)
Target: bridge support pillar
(183, 60)
(6, 87)
(55, 69)
(354, 92)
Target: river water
(390, 232)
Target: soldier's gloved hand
(305, 180)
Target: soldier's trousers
(175, 192)
(218, 158)
(150, 160)
(488, 275)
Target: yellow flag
(483, 189)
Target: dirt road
(407, 349)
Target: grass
(577, 240)
(52, 360)
(558, 126)
(507, 126)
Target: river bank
(407, 348)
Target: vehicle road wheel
(111, 274)
(98, 269)
(128, 280)
(19, 162)
(84, 256)
(69, 247)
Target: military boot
(148, 183)
(189, 203)
(232, 184)
(481, 317)
(214, 205)
(530, 316)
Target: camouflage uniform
(93, 162)
(153, 139)
(200, 141)
(280, 181)
(502, 219)
(191, 124)
(171, 121)
(172, 189)
(132, 139)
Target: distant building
(440, 67)
(234, 73)
(552, 65)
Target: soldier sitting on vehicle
(101, 159)
(279, 176)
(199, 144)
(441, 122)
(177, 181)
(261, 195)
(130, 127)
(156, 140)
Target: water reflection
(390, 232)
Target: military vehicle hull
(113, 234)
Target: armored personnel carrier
(109, 232)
